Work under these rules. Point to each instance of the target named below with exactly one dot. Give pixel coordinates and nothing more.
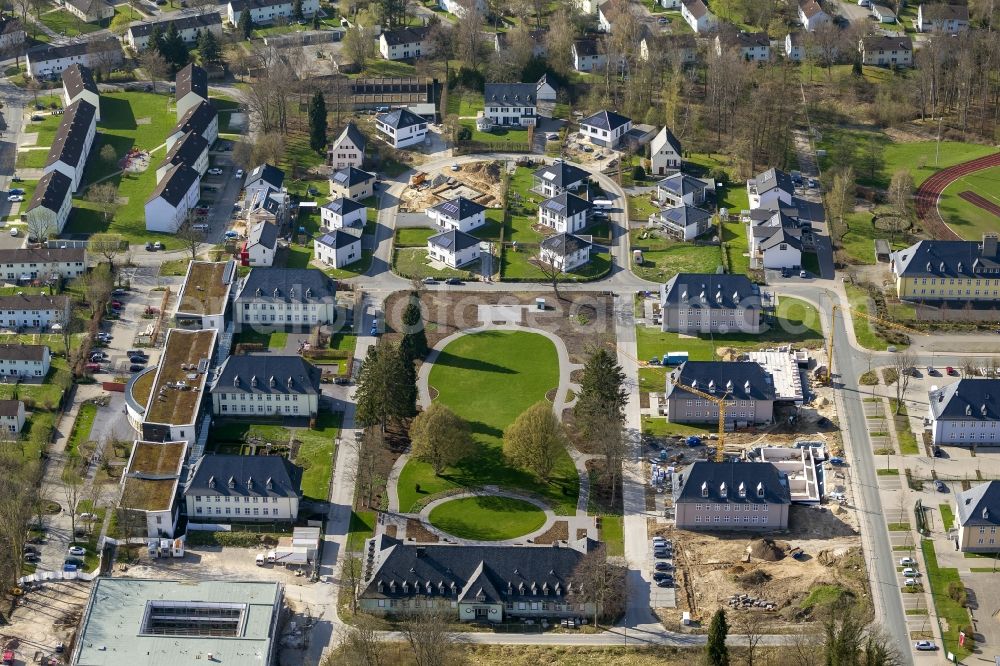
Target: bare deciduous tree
(108, 246)
(427, 633)
(105, 196)
(189, 235)
(903, 363)
(361, 645)
(600, 581)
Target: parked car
(88, 516)
(663, 20)
(925, 646)
(31, 556)
(552, 136)
(79, 551)
(118, 292)
(69, 567)
(239, 173)
(910, 572)
(93, 367)
(910, 582)
(906, 561)
(837, 461)
(14, 231)
(430, 280)
(137, 352)
(663, 554)
(665, 583)
(149, 247)
(136, 367)
(938, 452)
(215, 171)
(659, 575)
(951, 371)
(14, 198)
(663, 566)
(939, 485)
(15, 190)
(453, 281)
(930, 370)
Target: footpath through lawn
(488, 379)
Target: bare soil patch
(415, 530)
(558, 532)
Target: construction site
(481, 182)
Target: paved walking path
(550, 518)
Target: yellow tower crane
(721, 404)
(864, 315)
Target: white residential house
(78, 83)
(588, 7)
(683, 222)
(71, 145)
(566, 213)
(664, 153)
(28, 264)
(190, 150)
(587, 57)
(33, 311)
(268, 11)
(605, 128)
(811, 15)
(338, 248)
(401, 128)
(883, 14)
(458, 7)
(404, 43)
(50, 61)
(949, 19)
(545, 91)
(260, 245)
(201, 119)
(886, 50)
(24, 363)
(12, 34)
(673, 47)
(776, 243)
(510, 104)
(51, 203)
(453, 248)
(794, 47)
(461, 213)
(751, 46)
(89, 11)
(190, 89)
(189, 28)
(348, 149)
(769, 189)
(11, 417)
(559, 177)
(173, 199)
(966, 412)
(243, 489)
(250, 386)
(343, 213)
(352, 183)
(695, 13)
(566, 252)
(681, 189)
(286, 297)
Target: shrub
(638, 173)
(957, 591)
(464, 134)
(719, 175)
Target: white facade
(887, 52)
(562, 223)
(200, 165)
(465, 224)
(281, 313)
(86, 95)
(163, 216)
(252, 404)
(11, 34)
(457, 7)
(508, 116)
(573, 260)
(811, 17)
(194, 99)
(11, 417)
(334, 220)
(403, 136)
(33, 311)
(782, 255)
(344, 152)
(337, 255)
(43, 217)
(258, 254)
(699, 21)
(138, 42)
(750, 52)
(51, 61)
(89, 11)
(261, 13)
(584, 61)
(210, 134)
(603, 137)
(451, 257)
(75, 171)
(793, 49)
(15, 365)
(953, 20)
(29, 264)
(662, 155)
(403, 50)
(223, 509)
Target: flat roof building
(204, 298)
(784, 370)
(130, 621)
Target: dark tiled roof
(77, 78)
(453, 241)
(74, 49)
(343, 206)
(9, 407)
(608, 120)
(192, 78)
(685, 216)
(887, 43)
(198, 22)
(720, 291)
(740, 380)
(671, 140)
(249, 475)
(810, 8)
(490, 573)
(42, 255)
(458, 209)
(267, 374)
(263, 233)
(67, 146)
(697, 8)
(350, 176)
(405, 35)
(196, 119)
(9, 25)
(743, 39)
(789, 236)
(34, 302)
(352, 132)
(51, 191)
(979, 506)
(567, 205)
(974, 399)
(585, 47)
(936, 258)
(175, 184)
(564, 244)
(743, 482)
(773, 178)
(240, 5)
(511, 94)
(187, 150)
(938, 12)
(400, 119)
(22, 352)
(291, 285)
(680, 184)
(271, 175)
(338, 239)
(561, 174)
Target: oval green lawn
(487, 518)
(488, 379)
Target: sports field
(965, 217)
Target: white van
(602, 204)
(260, 559)
(200, 227)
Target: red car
(951, 371)
(117, 304)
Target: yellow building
(934, 270)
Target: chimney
(989, 245)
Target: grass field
(612, 534)
(858, 242)
(414, 236)
(664, 258)
(947, 516)
(952, 614)
(496, 135)
(362, 527)
(359, 267)
(863, 330)
(518, 266)
(270, 339)
(967, 219)
(316, 455)
(487, 518)
(465, 103)
(67, 24)
(488, 379)
(411, 262)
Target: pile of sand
(766, 549)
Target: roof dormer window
(291, 293)
(760, 489)
(704, 489)
(236, 381)
(723, 489)
(269, 484)
(276, 292)
(259, 292)
(232, 482)
(742, 490)
(272, 381)
(968, 410)
(253, 381)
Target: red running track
(930, 191)
(982, 202)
